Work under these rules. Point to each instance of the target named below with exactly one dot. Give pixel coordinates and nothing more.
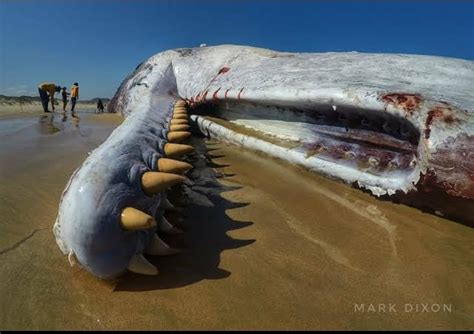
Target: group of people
(48, 89)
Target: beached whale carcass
(386, 123)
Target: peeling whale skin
(391, 124)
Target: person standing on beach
(64, 95)
(46, 92)
(100, 106)
(74, 96)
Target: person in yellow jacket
(74, 96)
(46, 92)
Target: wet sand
(266, 246)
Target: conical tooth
(178, 121)
(154, 182)
(133, 219)
(172, 150)
(167, 227)
(180, 116)
(159, 247)
(179, 127)
(138, 264)
(172, 166)
(177, 136)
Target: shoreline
(11, 105)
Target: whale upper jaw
(386, 118)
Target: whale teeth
(179, 127)
(154, 182)
(138, 264)
(168, 228)
(159, 247)
(172, 150)
(172, 166)
(180, 116)
(132, 219)
(177, 136)
(179, 121)
(179, 112)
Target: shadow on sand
(205, 224)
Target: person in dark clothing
(100, 106)
(64, 95)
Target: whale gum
(320, 247)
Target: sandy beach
(266, 246)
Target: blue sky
(97, 43)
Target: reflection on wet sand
(266, 246)
(50, 124)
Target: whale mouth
(372, 142)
